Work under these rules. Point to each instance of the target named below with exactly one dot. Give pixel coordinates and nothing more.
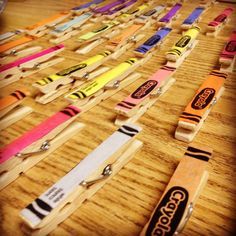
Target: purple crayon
(107, 7)
(153, 41)
(116, 9)
(193, 16)
(172, 12)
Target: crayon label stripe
(200, 157)
(193, 149)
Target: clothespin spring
(107, 171)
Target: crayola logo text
(203, 98)
(183, 41)
(169, 212)
(144, 89)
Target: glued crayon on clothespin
(183, 47)
(138, 102)
(41, 28)
(132, 13)
(193, 18)
(33, 146)
(107, 7)
(29, 65)
(126, 39)
(9, 35)
(90, 40)
(82, 182)
(228, 56)
(215, 26)
(105, 85)
(116, 11)
(85, 7)
(57, 84)
(11, 109)
(152, 43)
(70, 28)
(167, 19)
(151, 15)
(181, 194)
(200, 106)
(19, 46)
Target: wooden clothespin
(132, 13)
(200, 106)
(106, 84)
(215, 26)
(183, 47)
(171, 15)
(193, 18)
(11, 109)
(41, 28)
(171, 3)
(85, 7)
(181, 194)
(70, 28)
(126, 39)
(20, 46)
(82, 182)
(207, 3)
(138, 102)
(57, 84)
(92, 39)
(29, 65)
(152, 43)
(9, 35)
(228, 56)
(33, 146)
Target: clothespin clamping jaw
(92, 39)
(11, 109)
(33, 146)
(126, 39)
(228, 56)
(29, 65)
(207, 3)
(137, 103)
(63, 81)
(17, 48)
(82, 182)
(183, 47)
(70, 28)
(200, 106)
(170, 16)
(41, 28)
(9, 35)
(105, 85)
(181, 194)
(215, 26)
(152, 43)
(193, 18)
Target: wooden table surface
(124, 204)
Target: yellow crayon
(182, 45)
(95, 32)
(131, 12)
(72, 69)
(98, 83)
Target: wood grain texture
(124, 204)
